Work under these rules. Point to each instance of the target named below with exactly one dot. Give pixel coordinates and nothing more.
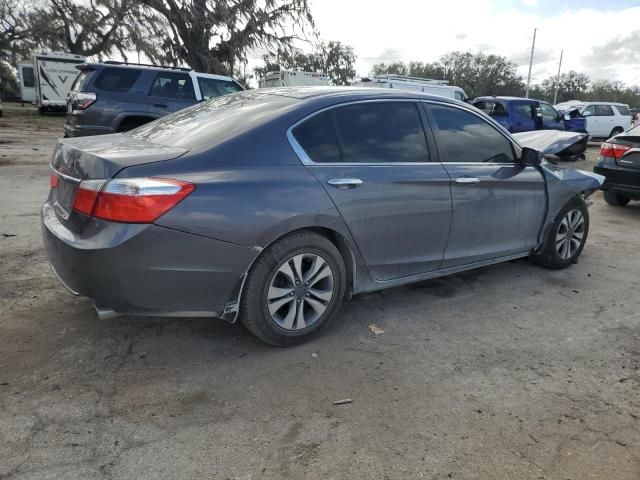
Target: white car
(604, 119)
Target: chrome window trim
(306, 160)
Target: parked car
(415, 84)
(604, 119)
(525, 114)
(271, 206)
(293, 78)
(619, 162)
(114, 97)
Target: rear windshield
(80, 81)
(624, 110)
(208, 123)
(117, 79)
(213, 87)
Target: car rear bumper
(619, 179)
(145, 269)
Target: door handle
(160, 105)
(345, 183)
(467, 180)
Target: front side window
(385, 132)
(466, 138)
(548, 112)
(117, 79)
(603, 111)
(213, 87)
(172, 85)
(28, 79)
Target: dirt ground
(507, 372)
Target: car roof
(507, 98)
(353, 93)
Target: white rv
(47, 80)
(415, 84)
(290, 78)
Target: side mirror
(530, 157)
(567, 116)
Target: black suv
(115, 97)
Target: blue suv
(518, 114)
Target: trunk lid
(98, 158)
(631, 159)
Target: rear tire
(566, 237)
(294, 289)
(615, 199)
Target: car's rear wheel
(566, 236)
(615, 199)
(294, 289)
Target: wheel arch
(347, 253)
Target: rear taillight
(613, 150)
(130, 200)
(53, 180)
(82, 101)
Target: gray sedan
(272, 206)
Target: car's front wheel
(566, 237)
(615, 199)
(295, 288)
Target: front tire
(294, 289)
(615, 199)
(566, 237)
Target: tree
(214, 36)
(15, 41)
(573, 86)
(95, 28)
(333, 58)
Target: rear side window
(381, 133)
(172, 85)
(317, 137)
(212, 87)
(466, 138)
(28, 79)
(79, 81)
(117, 79)
(624, 110)
(602, 110)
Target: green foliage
(333, 58)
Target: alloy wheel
(300, 291)
(570, 234)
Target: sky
(599, 37)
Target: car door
(372, 159)
(522, 113)
(598, 120)
(551, 120)
(169, 92)
(498, 204)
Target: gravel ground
(506, 372)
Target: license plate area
(63, 196)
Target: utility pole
(555, 95)
(533, 47)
